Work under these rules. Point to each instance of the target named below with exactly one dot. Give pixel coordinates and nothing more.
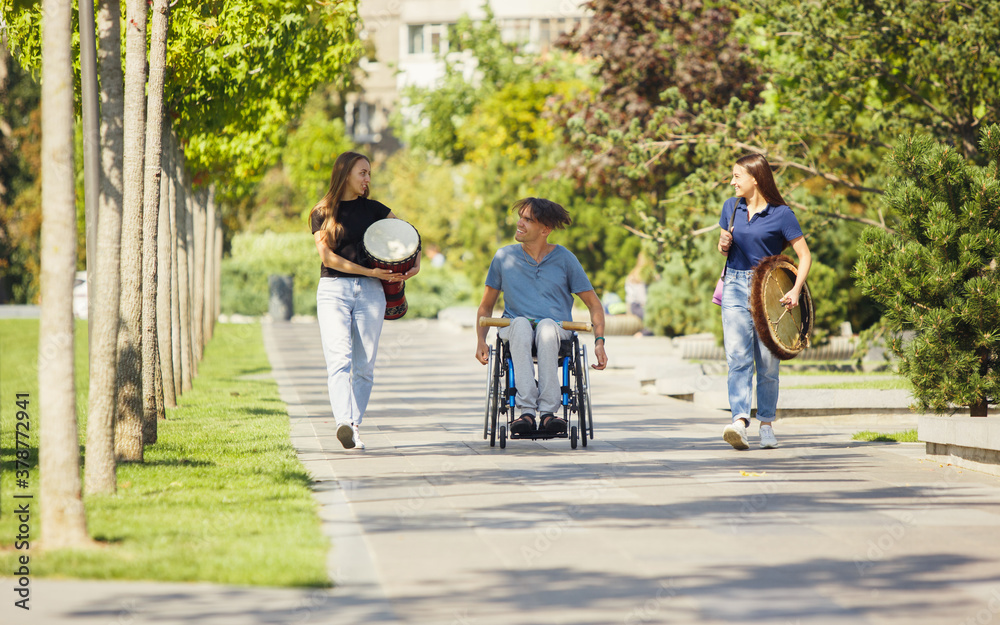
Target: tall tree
(63, 519)
(165, 276)
(152, 381)
(100, 459)
(175, 160)
(938, 276)
(198, 274)
(642, 49)
(128, 420)
(184, 262)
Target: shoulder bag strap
(732, 218)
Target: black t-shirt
(355, 216)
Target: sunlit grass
(221, 497)
(881, 384)
(906, 436)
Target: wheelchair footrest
(538, 435)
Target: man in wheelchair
(538, 280)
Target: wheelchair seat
(575, 394)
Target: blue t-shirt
(765, 235)
(537, 291)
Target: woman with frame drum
(350, 300)
(762, 226)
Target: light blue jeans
(745, 352)
(350, 313)
(546, 396)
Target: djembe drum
(392, 244)
(784, 332)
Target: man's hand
(602, 356)
(482, 352)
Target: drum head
(391, 240)
(785, 332)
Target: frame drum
(392, 244)
(784, 332)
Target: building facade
(405, 39)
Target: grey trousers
(520, 336)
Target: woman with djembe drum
(756, 226)
(350, 300)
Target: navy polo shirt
(765, 235)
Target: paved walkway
(657, 521)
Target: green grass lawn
(906, 436)
(221, 497)
(882, 384)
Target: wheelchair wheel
(572, 437)
(503, 437)
(589, 424)
(490, 383)
(581, 391)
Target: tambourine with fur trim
(785, 332)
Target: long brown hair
(329, 206)
(758, 167)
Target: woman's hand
(725, 241)
(411, 272)
(386, 274)
(791, 299)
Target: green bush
(680, 302)
(436, 288)
(256, 256)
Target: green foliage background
(937, 275)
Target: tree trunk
(200, 209)
(63, 519)
(152, 382)
(5, 129)
(128, 423)
(164, 291)
(90, 116)
(184, 277)
(190, 202)
(982, 407)
(208, 316)
(218, 268)
(175, 308)
(106, 289)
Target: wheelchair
(501, 390)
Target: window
(428, 38)
(416, 38)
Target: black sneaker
(525, 424)
(553, 424)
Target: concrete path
(657, 521)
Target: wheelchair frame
(501, 391)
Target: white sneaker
(357, 438)
(345, 434)
(736, 435)
(767, 439)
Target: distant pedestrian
(763, 226)
(350, 300)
